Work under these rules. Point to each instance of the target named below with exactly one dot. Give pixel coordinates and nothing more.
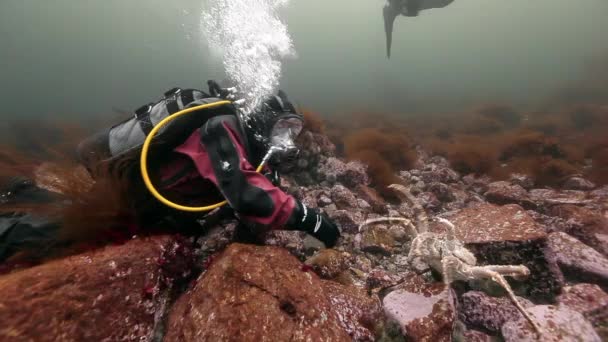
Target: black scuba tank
(125, 140)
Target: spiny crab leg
(479, 272)
(421, 217)
(405, 221)
(451, 229)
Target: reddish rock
(487, 223)
(548, 197)
(254, 293)
(578, 183)
(349, 174)
(348, 221)
(372, 197)
(379, 279)
(586, 225)
(296, 242)
(429, 201)
(311, 198)
(490, 313)
(433, 162)
(590, 301)
(116, 293)
(477, 336)
(440, 175)
(342, 197)
(550, 223)
(424, 312)
(327, 147)
(558, 324)
(600, 193)
(217, 238)
(442, 192)
(324, 201)
(358, 314)
(328, 263)
(378, 239)
(478, 185)
(506, 193)
(576, 260)
(522, 180)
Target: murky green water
(85, 57)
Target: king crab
(448, 255)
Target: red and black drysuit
(214, 163)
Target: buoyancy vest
(125, 139)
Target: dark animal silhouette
(408, 8)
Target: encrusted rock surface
(590, 301)
(578, 183)
(378, 239)
(476, 336)
(490, 313)
(328, 263)
(297, 243)
(487, 223)
(372, 197)
(116, 293)
(506, 193)
(349, 174)
(558, 324)
(264, 293)
(253, 293)
(577, 260)
(424, 311)
(589, 226)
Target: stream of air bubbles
(252, 41)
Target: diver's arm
(253, 197)
(250, 193)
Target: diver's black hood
(258, 125)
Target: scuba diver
(408, 8)
(200, 158)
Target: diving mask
(283, 136)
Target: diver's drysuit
(218, 160)
(210, 163)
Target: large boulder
(118, 293)
(253, 293)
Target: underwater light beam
(252, 41)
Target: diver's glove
(314, 223)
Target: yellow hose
(144, 159)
